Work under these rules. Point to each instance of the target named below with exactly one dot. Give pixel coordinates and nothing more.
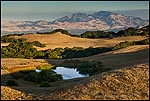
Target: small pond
(69, 73)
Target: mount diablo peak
(102, 14)
(76, 17)
(102, 20)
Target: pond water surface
(69, 73)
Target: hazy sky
(51, 10)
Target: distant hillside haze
(142, 13)
(102, 20)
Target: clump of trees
(45, 67)
(86, 67)
(127, 32)
(97, 34)
(22, 49)
(47, 75)
(122, 45)
(54, 31)
(19, 48)
(128, 43)
(38, 44)
(3, 67)
(11, 83)
(76, 52)
(142, 42)
(5, 39)
(144, 31)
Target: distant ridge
(102, 20)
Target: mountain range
(102, 20)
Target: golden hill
(61, 40)
(130, 81)
(128, 56)
(123, 57)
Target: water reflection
(68, 73)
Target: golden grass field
(61, 40)
(128, 81)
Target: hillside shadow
(34, 89)
(121, 59)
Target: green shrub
(44, 67)
(142, 42)
(26, 71)
(17, 75)
(44, 75)
(11, 83)
(110, 36)
(86, 67)
(38, 44)
(32, 77)
(44, 84)
(3, 67)
(122, 45)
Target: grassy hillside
(127, 80)
(123, 57)
(56, 40)
(126, 83)
(130, 83)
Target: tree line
(144, 31)
(20, 48)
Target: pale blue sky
(51, 10)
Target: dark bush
(38, 44)
(3, 67)
(44, 75)
(142, 42)
(17, 75)
(11, 83)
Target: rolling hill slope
(128, 56)
(130, 81)
(61, 40)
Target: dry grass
(16, 69)
(130, 83)
(61, 40)
(128, 49)
(127, 83)
(116, 59)
(18, 62)
(11, 94)
(123, 57)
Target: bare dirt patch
(4, 44)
